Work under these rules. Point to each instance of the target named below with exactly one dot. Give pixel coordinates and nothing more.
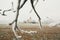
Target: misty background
(48, 10)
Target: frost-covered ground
(47, 33)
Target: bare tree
(19, 6)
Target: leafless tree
(19, 6)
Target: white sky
(49, 8)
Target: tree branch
(34, 5)
(7, 10)
(12, 22)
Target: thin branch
(19, 9)
(34, 5)
(0, 10)
(12, 22)
(22, 4)
(7, 10)
(3, 13)
(43, 0)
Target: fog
(49, 8)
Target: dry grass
(46, 33)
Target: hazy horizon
(49, 8)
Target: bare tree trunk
(16, 27)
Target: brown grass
(46, 33)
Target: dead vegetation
(46, 33)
